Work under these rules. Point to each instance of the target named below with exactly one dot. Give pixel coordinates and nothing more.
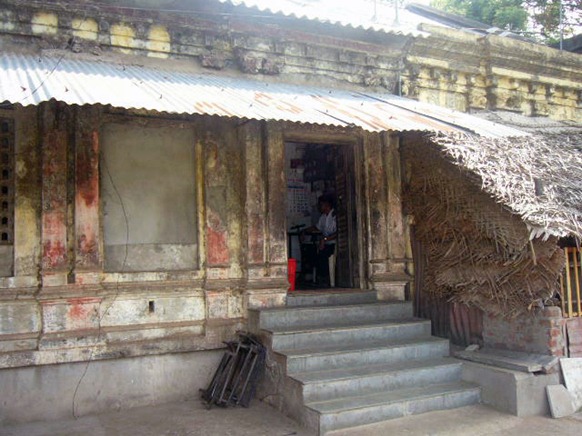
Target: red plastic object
(291, 272)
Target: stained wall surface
(148, 198)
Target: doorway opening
(318, 174)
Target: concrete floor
(192, 419)
(474, 421)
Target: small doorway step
(329, 297)
(343, 359)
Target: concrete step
(343, 382)
(353, 411)
(288, 317)
(350, 360)
(363, 354)
(348, 333)
(330, 297)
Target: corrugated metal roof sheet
(365, 14)
(30, 80)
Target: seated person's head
(325, 203)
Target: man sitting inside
(326, 233)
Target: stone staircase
(345, 359)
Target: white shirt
(327, 224)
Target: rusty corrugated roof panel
(364, 14)
(30, 80)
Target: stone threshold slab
(514, 360)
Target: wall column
(266, 255)
(216, 230)
(27, 199)
(396, 230)
(276, 195)
(386, 246)
(88, 241)
(224, 218)
(19, 311)
(376, 208)
(54, 147)
(251, 139)
(396, 224)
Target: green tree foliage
(505, 14)
(545, 15)
(540, 18)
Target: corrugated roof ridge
(27, 80)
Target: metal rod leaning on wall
(231, 368)
(237, 375)
(214, 383)
(242, 400)
(239, 370)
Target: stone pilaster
(54, 217)
(88, 241)
(387, 244)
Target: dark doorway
(313, 171)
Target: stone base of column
(394, 290)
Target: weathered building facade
(137, 230)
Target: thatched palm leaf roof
(538, 177)
(471, 225)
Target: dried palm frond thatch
(478, 205)
(539, 177)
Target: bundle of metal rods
(238, 373)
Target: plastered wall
(177, 274)
(149, 198)
(226, 186)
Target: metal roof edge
(28, 80)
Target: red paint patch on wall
(88, 250)
(54, 228)
(54, 254)
(77, 310)
(217, 246)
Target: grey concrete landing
(469, 421)
(516, 392)
(514, 360)
(192, 419)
